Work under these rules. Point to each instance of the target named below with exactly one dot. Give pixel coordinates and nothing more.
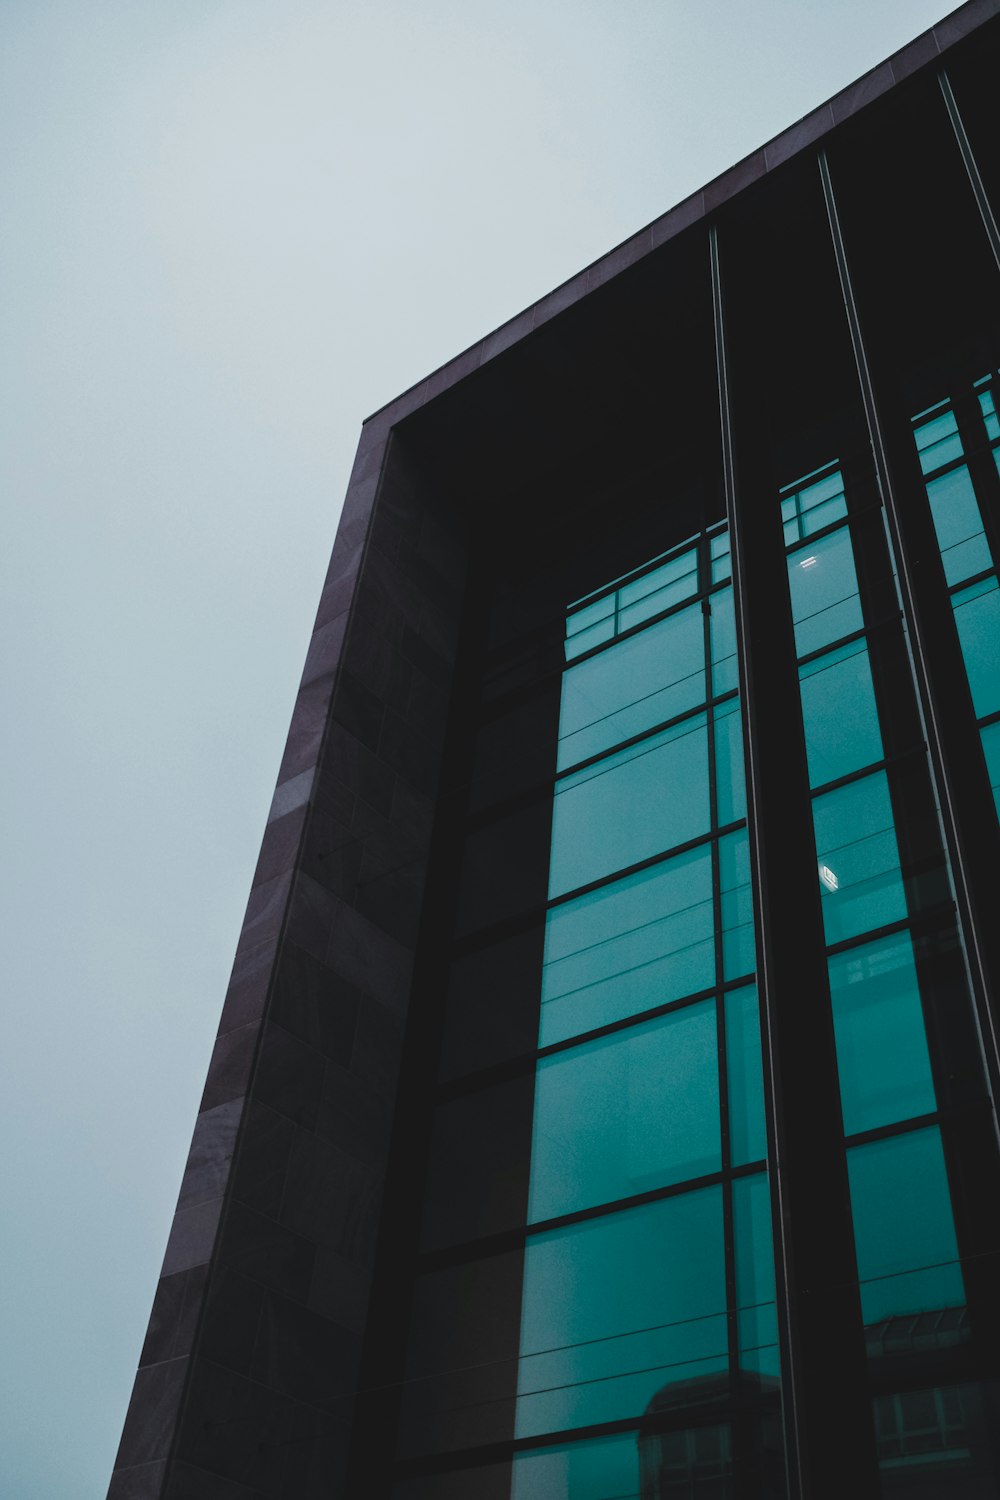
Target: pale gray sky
(229, 230)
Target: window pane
(627, 1113)
(824, 590)
(595, 635)
(601, 1469)
(628, 947)
(730, 785)
(738, 952)
(991, 749)
(938, 442)
(744, 1071)
(618, 1308)
(634, 804)
(903, 1228)
(590, 614)
(839, 714)
(885, 1072)
(757, 1324)
(720, 554)
(977, 615)
(681, 569)
(725, 673)
(859, 877)
(640, 682)
(959, 525)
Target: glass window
(617, 1308)
(885, 1072)
(810, 507)
(626, 1113)
(959, 525)
(738, 951)
(586, 640)
(628, 947)
(730, 787)
(653, 592)
(757, 1324)
(859, 877)
(938, 442)
(634, 804)
(719, 550)
(839, 713)
(991, 749)
(977, 615)
(903, 1227)
(824, 589)
(989, 411)
(598, 1469)
(642, 681)
(745, 1077)
(725, 670)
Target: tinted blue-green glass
(595, 635)
(730, 785)
(859, 877)
(642, 681)
(959, 525)
(938, 442)
(757, 1324)
(977, 615)
(628, 947)
(654, 592)
(813, 506)
(824, 589)
(725, 669)
(631, 805)
(989, 411)
(991, 750)
(903, 1227)
(885, 1072)
(737, 905)
(722, 563)
(626, 1113)
(745, 1077)
(839, 713)
(595, 1469)
(616, 1308)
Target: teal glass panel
(858, 857)
(644, 680)
(990, 418)
(756, 1322)
(903, 1227)
(812, 506)
(824, 588)
(590, 615)
(938, 442)
(839, 713)
(659, 590)
(634, 804)
(745, 1077)
(595, 635)
(959, 525)
(719, 551)
(738, 952)
(595, 1469)
(730, 786)
(725, 670)
(991, 749)
(626, 1113)
(885, 1072)
(977, 615)
(618, 1308)
(628, 947)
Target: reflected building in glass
(604, 1102)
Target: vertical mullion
(829, 1437)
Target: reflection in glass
(885, 1072)
(903, 1227)
(630, 946)
(859, 878)
(640, 682)
(938, 442)
(839, 713)
(633, 804)
(757, 1325)
(807, 508)
(959, 525)
(738, 952)
(744, 1072)
(824, 590)
(617, 1306)
(595, 1469)
(626, 1113)
(977, 615)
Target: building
(637, 830)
